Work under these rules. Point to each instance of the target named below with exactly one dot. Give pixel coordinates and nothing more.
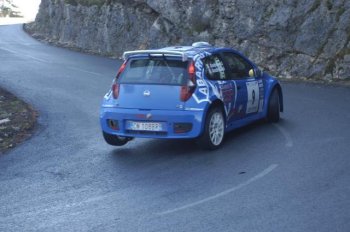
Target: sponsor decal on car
(202, 95)
(224, 90)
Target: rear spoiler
(126, 55)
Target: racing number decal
(253, 97)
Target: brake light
(115, 90)
(191, 69)
(186, 93)
(188, 89)
(115, 86)
(121, 69)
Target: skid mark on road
(289, 141)
(82, 70)
(61, 207)
(28, 56)
(228, 191)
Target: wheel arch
(218, 103)
(280, 95)
(215, 103)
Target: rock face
(291, 38)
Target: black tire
(273, 110)
(214, 130)
(115, 140)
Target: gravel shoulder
(17, 121)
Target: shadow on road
(153, 149)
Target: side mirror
(255, 72)
(251, 73)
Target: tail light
(115, 90)
(121, 69)
(188, 89)
(115, 85)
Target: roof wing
(127, 54)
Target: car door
(249, 93)
(221, 85)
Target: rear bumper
(168, 117)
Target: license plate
(144, 126)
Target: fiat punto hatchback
(194, 92)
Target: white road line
(228, 191)
(21, 54)
(289, 141)
(37, 59)
(82, 70)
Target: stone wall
(290, 38)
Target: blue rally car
(197, 91)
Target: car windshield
(159, 70)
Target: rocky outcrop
(291, 38)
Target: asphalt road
(293, 176)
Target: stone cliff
(291, 38)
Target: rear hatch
(152, 83)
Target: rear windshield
(154, 71)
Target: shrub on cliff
(8, 9)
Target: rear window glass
(154, 71)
